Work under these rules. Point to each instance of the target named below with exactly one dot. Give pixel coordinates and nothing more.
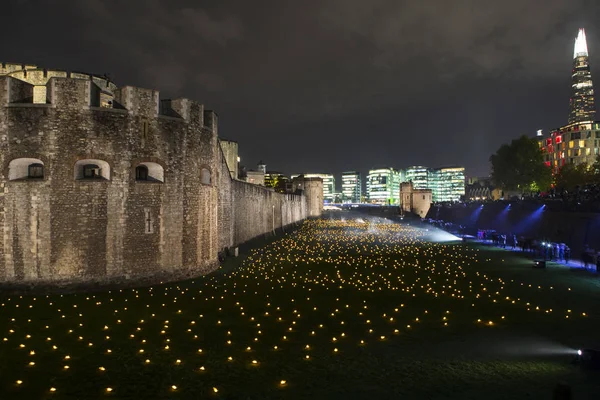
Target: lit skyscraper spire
(582, 106)
(580, 45)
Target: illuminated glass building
(419, 176)
(383, 186)
(447, 184)
(328, 185)
(351, 187)
(582, 105)
(571, 144)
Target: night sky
(330, 85)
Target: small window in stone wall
(35, 171)
(92, 170)
(141, 173)
(25, 168)
(148, 221)
(205, 176)
(149, 172)
(144, 130)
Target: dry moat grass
(337, 309)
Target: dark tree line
(519, 166)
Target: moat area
(344, 307)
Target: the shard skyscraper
(582, 106)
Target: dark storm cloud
(361, 83)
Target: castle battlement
(39, 77)
(110, 183)
(79, 92)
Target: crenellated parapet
(39, 77)
(103, 182)
(107, 184)
(80, 92)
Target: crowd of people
(550, 251)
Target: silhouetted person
(585, 257)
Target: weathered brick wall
(226, 207)
(258, 210)
(60, 228)
(64, 229)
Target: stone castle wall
(259, 210)
(61, 228)
(417, 201)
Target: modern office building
(383, 186)
(572, 144)
(276, 180)
(447, 184)
(578, 142)
(582, 105)
(328, 185)
(418, 175)
(351, 187)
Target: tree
(570, 176)
(520, 166)
(596, 167)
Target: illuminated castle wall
(101, 183)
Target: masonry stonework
(417, 201)
(135, 188)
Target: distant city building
(351, 187)
(337, 198)
(383, 186)
(417, 201)
(481, 188)
(262, 167)
(276, 180)
(255, 177)
(582, 105)
(328, 185)
(447, 184)
(571, 144)
(418, 175)
(577, 142)
(232, 159)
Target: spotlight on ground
(589, 358)
(440, 236)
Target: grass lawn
(336, 309)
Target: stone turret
(415, 201)
(313, 190)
